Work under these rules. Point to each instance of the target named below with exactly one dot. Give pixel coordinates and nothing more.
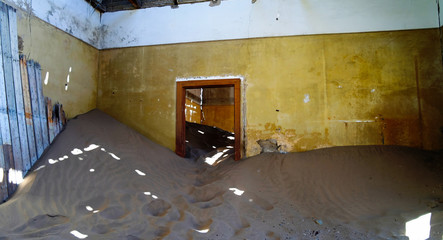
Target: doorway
(182, 87)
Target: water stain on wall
(362, 88)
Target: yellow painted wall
(307, 92)
(193, 112)
(221, 116)
(57, 52)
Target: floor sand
(102, 180)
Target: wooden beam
(136, 3)
(98, 6)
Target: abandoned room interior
(221, 119)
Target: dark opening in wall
(209, 113)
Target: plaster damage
(234, 19)
(305, 92)
(75, 17)
(239, 19)
(69, 65)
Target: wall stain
(343, 109)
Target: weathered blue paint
(35, 108)
(10, 90)
(28, 113)
(18, 91)
(41, 105)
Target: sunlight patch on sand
(91, 147)
(150, 194)
(78, 234)
(52, 161)
(76, 151)
(237, 191)
(202, 230)
(89, 208)
(140, 172)
(419, 228)
(213, 159)
(114, 156)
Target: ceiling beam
(98, 5)
(136, 3)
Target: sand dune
(102, 180)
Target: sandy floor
(102, 180)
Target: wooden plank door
(18, 91)
(17, 162)
(41, 105)
(28, 114)
(35, 108)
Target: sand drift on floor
(102, 180)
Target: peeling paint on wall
(338, 73)
(75, 17)
(69, 66)
(241, 19)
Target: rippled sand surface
(103, 180)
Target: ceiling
(120, 5)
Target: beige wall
(57, 52)
(307, 92)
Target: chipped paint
(306, 99)
(240, 19)
(75, 17)
(69, 66)
(202, 78)
(279, 72)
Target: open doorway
(208, 118)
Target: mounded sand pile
(102, 180)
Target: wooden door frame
(180, 138)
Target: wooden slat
(135, 3)
(50, 120)
(62, 117)
(18, 90)
(35, 108)
(4, 123)
(28, 114)
(3, 175)
(41, 105)
(55, 118)
(10, 90)
(9, 165)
